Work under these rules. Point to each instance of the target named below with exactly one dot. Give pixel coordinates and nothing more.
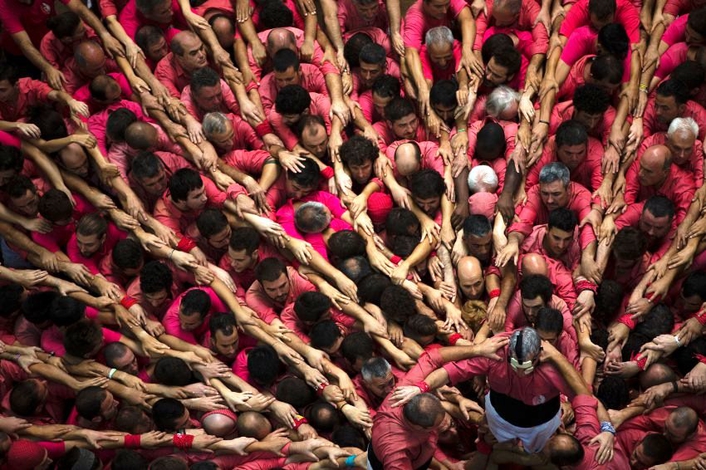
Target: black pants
(377, 465)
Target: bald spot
(656, 157)
(88, 53)
(218, 425)
(253, 424)
(280, 38)
(533, 263)
(141, 135)
(469, 268)
(185, 39)
(406, 159)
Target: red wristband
(396, 259)
(494, 293)
(128, 301)
(453, 339)
(186, 244)
(432, 254)
(132, 441)
(320, 389)
(299, 421)
(586, 285)
(263, 129)
(627, 321)
(327, 173)
(701, 358)
(183, 441)
(701, 317)
(423, 386)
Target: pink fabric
(693, 110)
(694, 166)
(247, 161)
(56, 52)
(98, 122)
(534, 212)
(265, 307)
(631, 218)
(671, 59)
(113, 236)
(349, 19)
(312, 80)
(525, 22)
(75, 79)
(587, 427)
(83, 93)
(565, 111)
(172, 75)
(53, 339)
(171, 318)
(171, 164)
(516, 318)
(387, 137)
(228, 102)
(32, 19)
(583, 42)
(433, 72)
(243, 280)
(320, 105)
(626, 14)
(483, 203)
(377, 35)
(59, 236)
(417, 23)
(30, 93)
(676, 32)
(430, 159)
(588, 173)
(681, 7)
(131, 20)
(391, 69)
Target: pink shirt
(575, 79)
(625, 14)
(349, 19)
(631, 218)
(53, 339)
(694, 166)
(373, 402)
(377, 35)
(171, 318)
(671, 59)
(266, 308)
(60, 235)
(56, 52)
(583, 42)
(534, 244)
(526, 22)
(172, 75)
(565, 111)
(32, 19)
(417, 23)
(430, 160)
(113, 236)
(312, 80)
(132, 20)
(171, 164)
(391, 68)
(84, 94)
(587, 427)
(693, 110)
(121, 154)
(75, 79)
(244, 136)
(681, 7)
(167, 213)
(516, 317)
(320, 105)
(676, 32)
(534, 212)
(228, 102)
(588, 173)
(678, 188)
(435, 73)
(99, 121)
(30, 93)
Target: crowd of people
(288, 234)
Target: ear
(256, 253)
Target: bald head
(408, 159)
(219, 425)
(141, 136)
(470, 277)
(181, 39)
(280, 38)
(90, 59)
(654, 166)
(533, 263)
(253, 424)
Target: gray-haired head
(683, 124)
(482, 178)
(511, 6)
(424, 410)
(500, 100)
(312, 217)
(439, 36)
(375, 368)
(528, 348)
(214, 123)
(555, 171)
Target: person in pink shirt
(672, 101)
(604, 70)
(408, 157)
(574, 148)
(358, 14)
(401, 122)
(94, 239)
(207, 93)
(153, 43)
(229, 132)
(502, 65)
(224, 339)
(591, 107)
(291, 103)
(287, 70)
(165, 14)
(245, 251)
(150, 174)
(372, 63)
(56, 207)
(88, 62)
(598, 14)
(276, 287)
(611, 39)
(155, 288)
(654, 173)
(491, 142)
(377, 379)
(440, 55)
(188, 194)
(104, 90)
(309, 309)
(66, 32)
(511, 16)
(188, 316)
(426, 14)
(187, 55)
(374, 101)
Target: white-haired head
(482, 178)
(439, 36)
(683, 124)
(502, 103)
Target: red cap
(379, 205)
(25, 455)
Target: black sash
(522, 415)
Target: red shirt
(588, 173)
(247, 161)
(171, 318)
(534, 212)
(171, 75)
(692, 110)
(395, 443)
(56, 52)
(377, 35)
(678, 187)
(291, 320)
(583, 42)
(575, 79)
(671, 59)
(631, 218)
(132, 20)
(676, 32)
(266, 308)
(30, 93)
(694, 166)
(516, 317)
(32, 19)
(565, 111)
(349, 19)
(625, 14)
(228, 102)
(587, 427)
(417, 23)
(681, 7)
(373, 402)
(312, 80)
(435, 73)
(387, 137)
(526, 22)
(244, 136)
(113, 236)
(320, 105)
